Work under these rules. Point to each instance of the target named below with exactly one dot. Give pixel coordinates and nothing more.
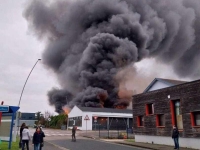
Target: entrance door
(178, 114)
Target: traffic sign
(49, 119)
(86, 118)
(95, 117)
(4, 108)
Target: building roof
(169, 82)
(107, 110)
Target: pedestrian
(25, 138)
(175, 136)
(37, 139)
(74, 133)
(42, 139)
(20, 134)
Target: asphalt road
(59, 139)
(89, 144)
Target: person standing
(25, 138)
(37, 139)
(74, 134)
(175, 136)
(20, 134)
(42, 139)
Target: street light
(17, 114)
(26, 81)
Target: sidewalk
(137, 144)
(144, 145)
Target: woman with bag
(37, 139)
(25, 138)
(42, 141)
(20, 133)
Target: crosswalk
(56, 134)
(51, 132)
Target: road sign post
(95, 121)
(86, 119)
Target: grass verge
(14, 145)
(130, 140)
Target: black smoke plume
(89, 41)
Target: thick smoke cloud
(89, 41)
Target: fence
(117, 133)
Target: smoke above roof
(88, 42)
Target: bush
(57, 121)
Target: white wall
(75, 112)
(158, 85)
(89, 122)
(183, 142)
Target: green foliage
(15, 145)
(58, 121)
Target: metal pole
(17, 114)
(99, 130)
(108, 126)
(86, 127)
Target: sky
(19, 52)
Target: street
(61, 140)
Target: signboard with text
(4, 108)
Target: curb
(122, 143)
(135, 145)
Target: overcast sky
(19, 52)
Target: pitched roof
(107, 110)
(166, 81)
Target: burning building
(88, 42)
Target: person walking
(37, 139)
(20, 134)
(42, 139)
(74, 134)
(25, 138)
(175, 136)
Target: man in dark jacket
(74, 134)
(175, 136)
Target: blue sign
(4, 108)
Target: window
(140, 121)
(160, 120)
(149, 109)
(195, 118)
(77, 121)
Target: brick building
(155, 112)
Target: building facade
(155, 112)
(103, 118)
(28, 118)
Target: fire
(120, 107)
(102, 98)
(66, 109)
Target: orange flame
(66, 109)
(120, 107)
(102, 98)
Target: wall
(183, 142)
(189, 96)
(77, 112)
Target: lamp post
(17, 114)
